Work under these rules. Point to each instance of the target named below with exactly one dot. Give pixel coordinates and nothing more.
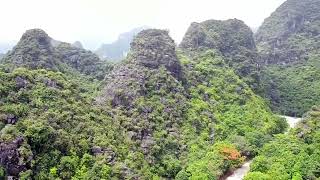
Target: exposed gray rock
(154, 48)
(150, 50)
(11, 158)
(11, 119)
(151, 70)
(231, 38)
(108, 153)
(290, 33)
(36, 50)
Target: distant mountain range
(118, 49)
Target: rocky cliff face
(36, 50)
(225, 36)
(232, 38)
(151, 50)
(81, 60)
(290, 33)
(13, 157)
(145, 86)
(289, 44)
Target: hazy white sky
(100, 21)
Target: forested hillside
(295, 155)
(159, 114)
(232, 39)
(198, 110)
(288, 42)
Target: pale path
(239, 173)
(292, 121)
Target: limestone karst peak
(153, 48)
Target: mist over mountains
(117, 50)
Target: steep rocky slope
(290, 33)
(288, 42)
(147, 89)
(36, 50)
(232, 38)
(151, 51)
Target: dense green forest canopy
(295, 155)
(158, 114)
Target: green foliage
(54, 114)
(36, 50)
(154, 119)
(288, 43)
(222, 107)
(294, 155)
(232, 38)
(257, 176)
(292, 89)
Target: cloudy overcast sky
(100, 21)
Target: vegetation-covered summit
(291, 33)
(36, 50)
(232, 38)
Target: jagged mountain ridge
(290, 33)
(232, 38)
(36, 50)
(157, 116)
